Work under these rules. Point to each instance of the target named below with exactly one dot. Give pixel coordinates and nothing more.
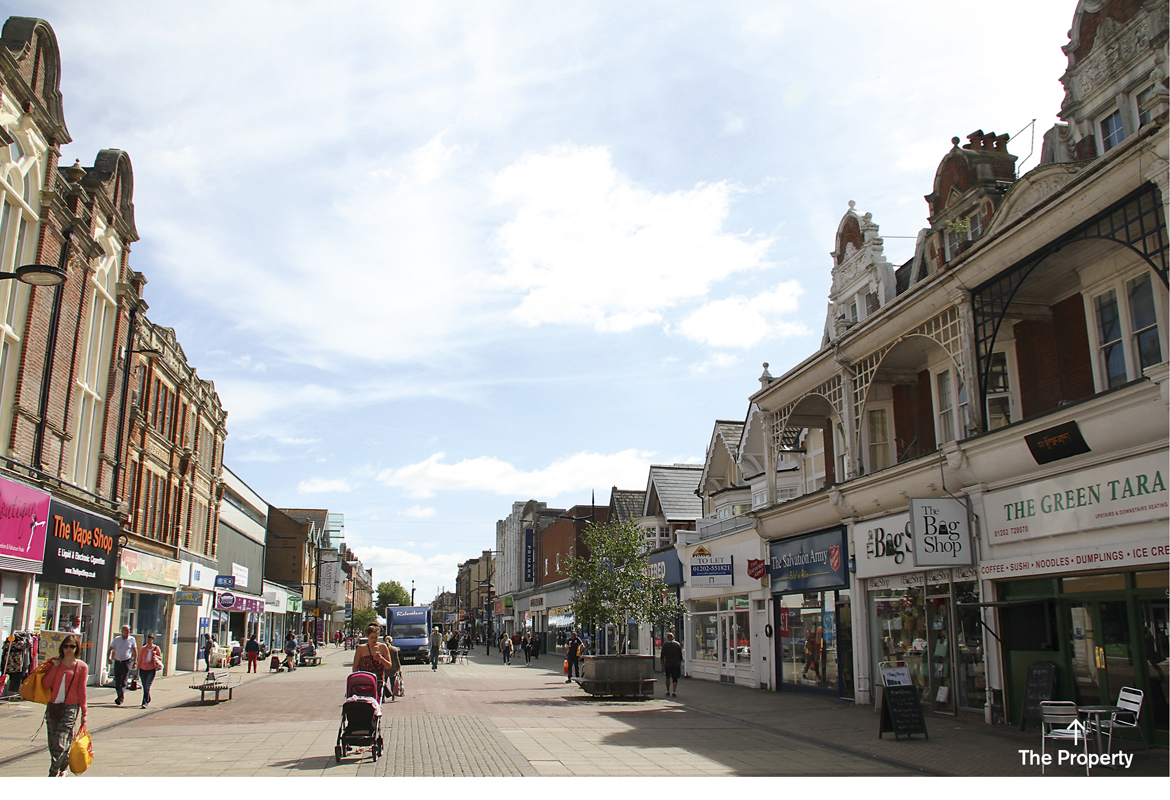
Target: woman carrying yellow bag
(65, 682)
(32, 688)
(81, 753)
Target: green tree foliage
(613, 583)
(392, 593)
(362, 618)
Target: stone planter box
(618, 676)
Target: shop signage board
(240, 573)
(667, 567)
(1053, 444)
(81, 549)
(146, 568)
(942, 532)
(24, 522)
(295, 604)
(187, 597)
(529, 554)
(885, 546)
(808, 563)
(228, 601)
(225, 581)
(902, 712)
(707, 570)
(1121, 493)
(1117, 552)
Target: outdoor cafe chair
(1129, 700)
(1060, 722)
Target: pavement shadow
(312, 763)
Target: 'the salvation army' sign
(816, 561)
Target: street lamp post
(412, 593)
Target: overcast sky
(440, 257)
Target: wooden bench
(305, 657)
(216, 681)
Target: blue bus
(410, 626)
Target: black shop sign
(80, 549)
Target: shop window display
(704, 630)
(972, 676)
(809, 639)
(900, 619)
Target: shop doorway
(814, 646)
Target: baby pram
(361, 716)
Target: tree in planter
(612, 582)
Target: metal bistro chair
(1130, 702)
(1060, 722)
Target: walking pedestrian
(573, 651)
(208, 649)
(65, 681)
(149, 663)
(123, 649)
(374, 656)
(672, 657)
(506, 649)
(252, 651)
(436, 643)
(812, 652)
(526, 646)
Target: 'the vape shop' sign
(942, 532)
(80, 549)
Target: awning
(560, 621)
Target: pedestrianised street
(484, 718)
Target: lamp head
(40, 275)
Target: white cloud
(488, 474)
(429, 572)
(589, 247)
(418, 512)
(716, 361)
(322, 485)
(744, 322)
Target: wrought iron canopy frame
(1137, 222)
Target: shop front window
(899, 634)
(704, 631)
(971, 680)
(811, 651)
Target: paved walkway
(482, 718)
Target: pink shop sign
(24, 515)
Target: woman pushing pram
(380, 659)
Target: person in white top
(122, 650)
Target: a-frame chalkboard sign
(902, 712)
(1038, 688)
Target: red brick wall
(914, 417)
(1053, 359)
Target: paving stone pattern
(485, 719)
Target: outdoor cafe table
(1095, 713)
